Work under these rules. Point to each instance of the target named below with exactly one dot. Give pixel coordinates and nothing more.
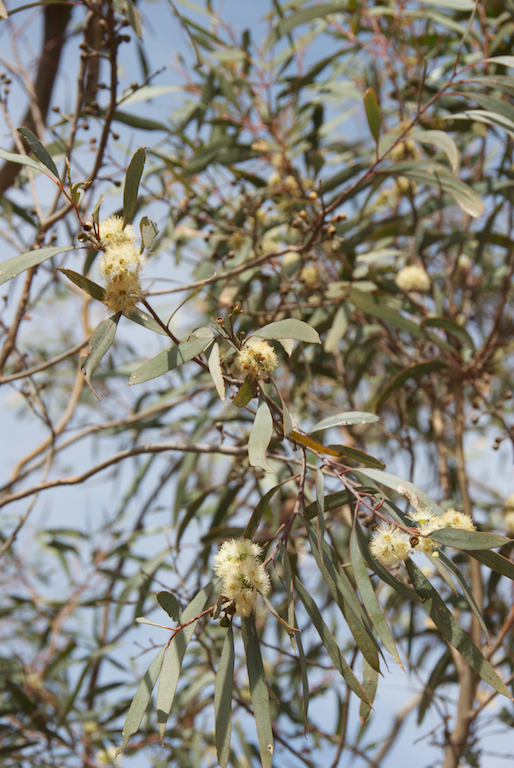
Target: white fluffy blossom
(389, 545)
(120, 264)
(112, 232)
(454, 519)
(257, 358)
(413, 278)
(243, 575)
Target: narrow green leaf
(288, 627)
(95, 215)
(132, 179)
(12, 157)
(436, 676)
(191, 511)
(216, 372)
(436, 175)
(135, 121)
(132, 15)
(454, 5)
(245, 394)
(343, 592)
(337, 330)
(39, 150)
(435, 607)
(441, 140)
(143, 318)
(369, 597)
(468, 540)
(320, 503)
(297, 17)
(357, 455)
(495, 561)
(411, 372)
(329, 641)
(223, 699)
(13, 267)
(172, 663)
(331, 502)
(373, 113)
(452, 328)
(369, 683)
(257, 513)
(141, 700)
(289, 329)
(149, 232)
(93, 289)
(169, 603)
(468, 594)
(260, 437)
(504, 61)
(171, 358)
(376, 307)
(258, 690)
(344, 420)
(403, 487)
(99, 345)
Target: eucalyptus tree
(261, 347)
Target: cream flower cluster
(257, 358)
(244, 576)
(413, 278)
(391, 546)
(120, 264)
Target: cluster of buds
(391, 546)
(243, 575)
(120, 264)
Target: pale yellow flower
(413, 278)
(454, 519)
(112, 232)
(120, 264)
(257, 358)
(120, 258)
(389, 545)
(244, 577)
(123, 291)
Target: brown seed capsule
(339, 217)
(312, 195)
(331, 230)
(219, 320)
(88, 226)
(414, 541)
(303, 214)
(81, 237)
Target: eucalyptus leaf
(132, 179)
(289, 329)
(258, 690)
(39, 150)
(260, 437)
(435, 606)
(171, 358)
(13, 267)
(176, 649)
(223, 699)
